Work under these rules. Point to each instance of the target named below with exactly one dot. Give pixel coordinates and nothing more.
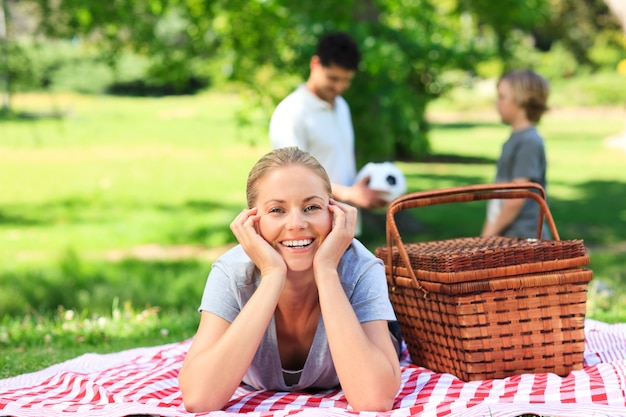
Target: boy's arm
(509, 212)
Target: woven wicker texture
(474, 258)
(484, 308)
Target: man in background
(316, 118)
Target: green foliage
(577, 24)
(556, 64)
(507, 20)
(406, 47)
(80, 67)
(83, 76)
(608, 49)
(599, 89)
(18, 68)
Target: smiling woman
(299, 304)
(295, 214)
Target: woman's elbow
(378, 402)
(200, 404)
(196, 400)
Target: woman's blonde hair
(281, 158)
(530, 92)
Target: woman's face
(295, 219)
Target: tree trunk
(4, 55)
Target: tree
(408, 48)
(576, 24)
(411, 49)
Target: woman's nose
(296, 221)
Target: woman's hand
(264, 256)
(340, 237)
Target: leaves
(408, 47)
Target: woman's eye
(311, 208)
(275, 210)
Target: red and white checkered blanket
(144, 381)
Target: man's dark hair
(339, 49)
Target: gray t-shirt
(523, 156)
(233, 280)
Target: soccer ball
(384, 176)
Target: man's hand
(361, 195)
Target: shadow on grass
(599, 217)
(79, 284)
(24, 116)
(77, 211)
(11, 217)
(457, 159)
(462, 125)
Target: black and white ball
(384, 176)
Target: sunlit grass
(39, 341)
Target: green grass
(118, 209)
(45, 340)
(170, 168)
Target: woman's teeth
(297, 243)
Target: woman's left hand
(340, 237)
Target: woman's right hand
(264, 256)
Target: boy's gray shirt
(234, 278)
(523, 156)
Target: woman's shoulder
(359, 249)
(233, 254)
(358, 258)
(236, 264)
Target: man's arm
(359, 195)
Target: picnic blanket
(143, 381)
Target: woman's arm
(221, 352)
(363, 354)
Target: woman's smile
(296, 243)
(295, 217)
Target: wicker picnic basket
(485, 308)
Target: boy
(522, 100)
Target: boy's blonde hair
(530, 92)
(281, 158)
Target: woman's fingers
(244, 223)
(245, 229)
(340, 236)
(344, 215)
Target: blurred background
(414, 52)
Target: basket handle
(511, 190)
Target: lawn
(111, 216)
